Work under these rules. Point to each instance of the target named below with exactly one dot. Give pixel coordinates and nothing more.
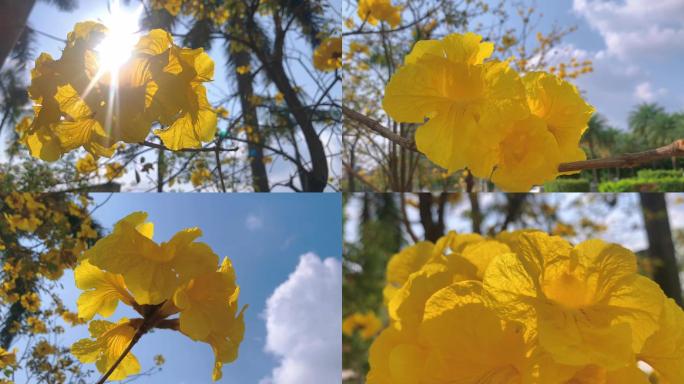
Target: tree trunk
(317, 178)
(161, 169)
(660, 244)
(13, 18)
(475, 213)
(250, 117)
(515, 207)
(433, 227)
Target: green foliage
(664, 184)
(567, 185)
(364, 268)
(659, 173)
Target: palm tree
(13, 19)
(644, 121)
(600, 138)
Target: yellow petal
(103, 291)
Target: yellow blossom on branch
(109, 340)
(328, 54)
(481, 115)
(161, 82)
(373, 11)
(368, 324)
(177, 277)
(86, 165)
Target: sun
(122, 35)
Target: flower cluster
(524, 307)
(212, 10)
(158, 281)
(372, 11)
(482, 115)
(328, 55)
(75, 104)
(368, 324)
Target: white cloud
(254, 222)
(304, 324)
(636, 28)
(645, 92)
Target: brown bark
(13, 18)
(250, 117)
(433, 226)
(660, 245)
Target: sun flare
(123, 32)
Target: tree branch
(627, 160)
(212, 149)
(380, 129)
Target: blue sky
(48, 19)
(637, 47)
(263, 234)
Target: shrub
(659, 173)
(567, 185)
(665, 184)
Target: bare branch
(628, 160)
(212, 149)
(379, 128)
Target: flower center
(567, 290)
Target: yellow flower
(103, 290)
(180, 97)
(160, 82)
(226, 341)
(368, 324)
(7, 358)
(159, 360)
(114, 171)
(151, 272)
(203, 304)
(528, 155)
(110, 340)
(208, 308)
(459, 340)
(18, 222)
(43, 348)
(560, 105)
(664, 350)
(328, 54)
(243, 69)
(30, 301)
(36, 325)
(222, 112)
(86, 165)
(468, 102)
(279, 97)
(403, 264)
(199, 176)
(586, 305)
(72, 318)
(373, 11)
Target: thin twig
(379, 128)
(208, 149)
(138, 334)
(218, 166)
(628, 160)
